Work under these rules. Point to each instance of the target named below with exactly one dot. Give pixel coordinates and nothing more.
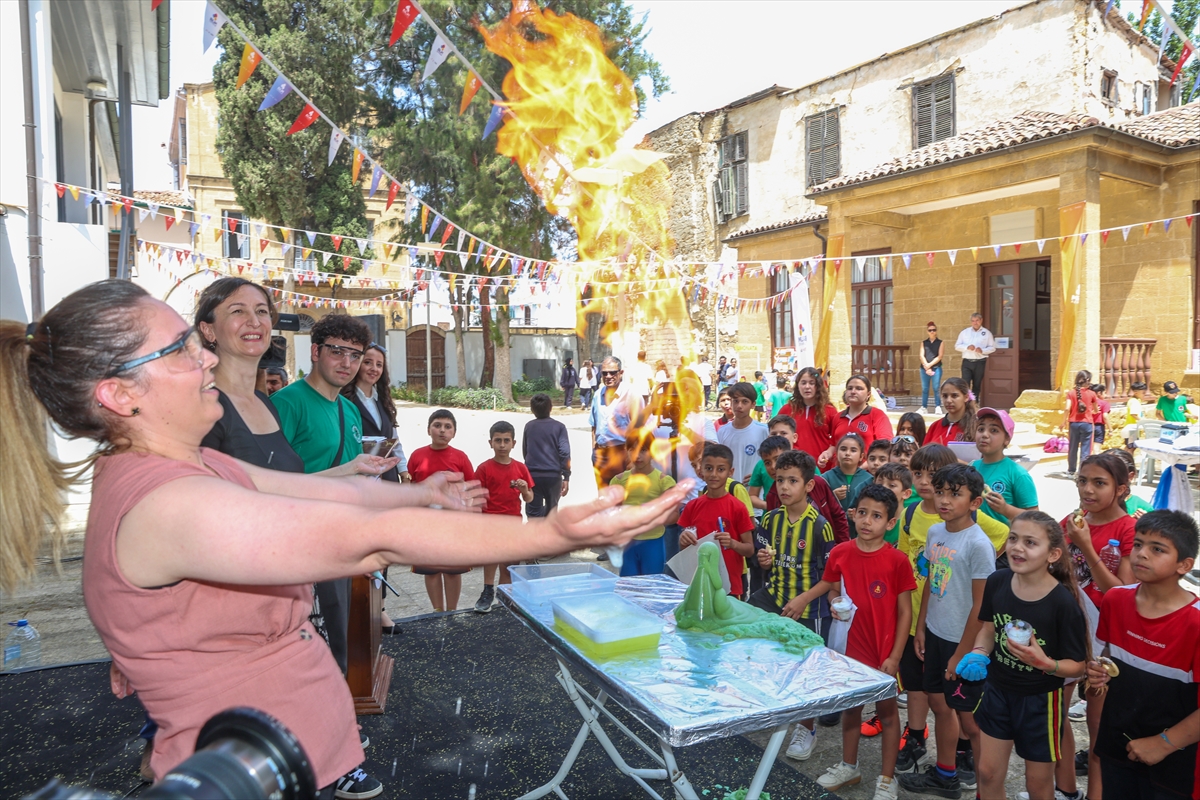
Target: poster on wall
(801, 323)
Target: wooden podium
(369, 671)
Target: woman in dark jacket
(371, 391)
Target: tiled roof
(1175, 127)
(163, 198)
(813, 216)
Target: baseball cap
(1170, 387)
(1003, 416)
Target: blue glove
(973, 666)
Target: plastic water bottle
(22, 646)
(1110, 555)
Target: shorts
(1033, 723)
(912, 669)
(644, 557)
(960, 695)
(819, 625)
(1098, 434)
(439, 571)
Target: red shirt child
(872, 580)
(814, 435)
(503, 497)
(943, 431)
(426, 461)
(871, 424)
(707, 515)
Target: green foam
(708, 609)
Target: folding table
(694, 688)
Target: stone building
(970, 139)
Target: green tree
(1185, 13)
(449, 163)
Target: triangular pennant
(307, 117)
(153, 208)
(493, 121)
(1188, 219)
(88, 199)
(232, 222)
(142, 214)
(1041, 243)
(975, 253)
(217, 234)
(1017, 247)
(356, 166)
(376, 174)
(424, 214)
(286, 245)
(953, 254)
(305, 252)
(1147, 228)
(194, 228)
(251, 58)
(929, 259)
(1104, 236)
(1166, 225)
(437, 220)
(168, 221)
(279, 90)
(1083, 238)
(907, 261)
(336, 137)
(60, 189)
(337, 241)
(241, 239)
(214, 20)
(362, 246)
(392, 190)
(470, 89)
(406, 14)
(997, 248)
(262, 244)
(1179, 62)
(438, 54)
(446, 235)
(345, 262)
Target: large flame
(570, 105)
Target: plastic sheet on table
(698, 686)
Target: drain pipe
(33, 216)
(816, 229)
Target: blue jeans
(644, 557)
(1080, 443)
(933, 381)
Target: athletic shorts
(912, 669)
(436, 571)
(1033, 723)
(960, 695)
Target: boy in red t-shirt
(716, 510)
(879, 581)
(508, 483)
(443, 586)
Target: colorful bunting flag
(953, 254)
(336, 137)
(997, 248)
(263, 244)
(424, 216)
(438, 54)
(279, 90)
(1146, 6)
(337, 241)
(406, 14)
(907, 262)
(168, 221)
(307, 117)
(1125, 232)
(446, 235)
(1166, 225)
(493, 121)
(1017, 247)
(312, 237)
(362, 246)
(214, 20)
(1041, 243)
(251, 58)
(232, 222)
(1104, 236)
(376, 174)
(1183, 57)
(1188, 219)
(470, 89)
(392, 190)
(154, 4)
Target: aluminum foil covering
(698, 686)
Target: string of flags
(1170, 28)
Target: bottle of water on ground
(1110, 555)
(22, 646)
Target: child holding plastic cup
(879, 581)
(1034, 635)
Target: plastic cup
(841, 607)
(1019, 632)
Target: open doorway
(1016, 309)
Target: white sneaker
(801, 745)
(839, 775)
(902, 699)
(886, 788)
(923, 410)
(938, 411)
(1059, 794)
(1077, 712)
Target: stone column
(840, 357)
(1080, 183)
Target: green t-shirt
(641, 489)
(758, 390)
(1173, 410)
(1009, 479)
(778, 400)
(1134, 504)
(310, 424)
(759, 477)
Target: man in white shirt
(704, 372)
(975, 343)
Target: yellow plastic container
(603, 626)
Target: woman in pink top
(198, 566)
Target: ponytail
(1062, 569)
(50, 370)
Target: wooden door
(415, 349)
(1001, 295)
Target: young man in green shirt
(1007, 487)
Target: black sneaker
(1081, 763)
(912, 756)
(964, 762)
(357, 785)
(484, 604)
(931, 782)
(829, 720)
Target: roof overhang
(770, 229)
(85, 38)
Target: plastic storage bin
(603, 626)
(539, 583)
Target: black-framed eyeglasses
(606, 373)
(190, 342)
(337, 351)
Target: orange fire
(570, 105)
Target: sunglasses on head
(904, 437)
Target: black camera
(276, 354)
(241, 754)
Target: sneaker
(938, 411)
(801, 745)
(602, 557)
(922, 410)
(1077, 712)
(964, 762)
(902, 700)
(484, 604)
(1059, 794)
(885, 789)
(839, 775)
(931, 782)
(903, 737)
(829, 720)
(1081, 763)
(357, 785)
(872, 727)
(913, 755)
(364, 740)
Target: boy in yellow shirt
(646, 554)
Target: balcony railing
(883, 364)
(1124, 362)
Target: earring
(135, 412)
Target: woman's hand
(119, 683)
(450, 491)
(604, 521)
(364, 464)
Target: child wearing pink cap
(1007, 487)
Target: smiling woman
(174, 528)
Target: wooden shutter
(922, 114)
(814, 139)
(728, 194)
(717, 200)
(741, 172)
(831, 157)
(943, 108)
